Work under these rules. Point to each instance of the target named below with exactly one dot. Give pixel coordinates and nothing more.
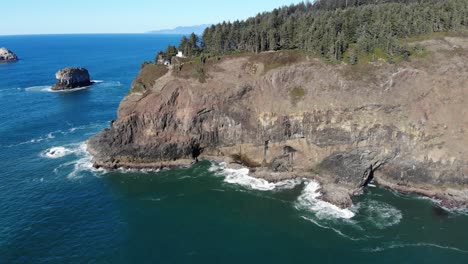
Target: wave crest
(241, 177)
(309, 201)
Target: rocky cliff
(285, 114)
(7, 55)
(71, 78)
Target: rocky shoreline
(341, 125)
(331, 193)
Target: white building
(180, 54)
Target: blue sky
(121, 16)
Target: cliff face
(403, 124)
(70, 78)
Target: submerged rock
(7, 56)
(71, 78)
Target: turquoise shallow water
(58, 210)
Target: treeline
(337, 4)
(189, 47)
(332, 27)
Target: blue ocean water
(57, 209)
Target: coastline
(330, 192)
(304, 118)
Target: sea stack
(7, 56)
(71, 78)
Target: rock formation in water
(7, 55)
(286, 115)
(71, 78)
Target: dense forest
(331, 28)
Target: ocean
(55, 208)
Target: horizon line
(99, 33)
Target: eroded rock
(344, 124)
(7, 55)
(72, 78)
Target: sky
(21, 17)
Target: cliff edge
(285, 114)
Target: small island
(7, 56)
(72, 78)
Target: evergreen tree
(330, 27)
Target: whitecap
(241, 177)
(288, 184)
(214, 167)
(56, 152)
(82, 163)
(97, 81)
(309, 201)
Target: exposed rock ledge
(7, 55)
(71, 78)
(342, 125)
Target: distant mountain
(182, 30)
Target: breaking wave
(56, 152)
(309, 201)
(241, 177)
(77, 167)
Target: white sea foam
(241, 177)
(9, 89)
(69, 90)
(132, 170)
(56, 152)
(288, 184)
(49, 136)
(379, 214)
(331, 228)
(82, 163)
(85, 127)
(40, 88)
(48, 88)
(403, 245)
(108, 84)
(309, 200)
